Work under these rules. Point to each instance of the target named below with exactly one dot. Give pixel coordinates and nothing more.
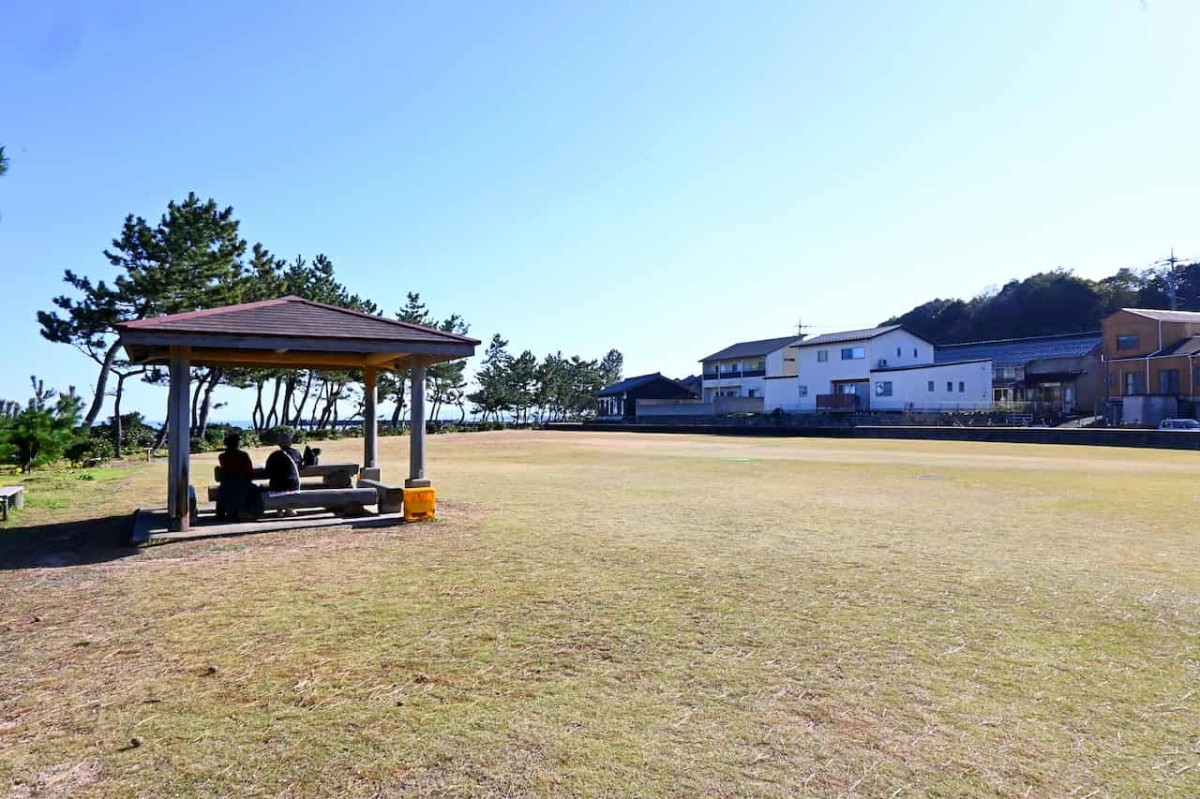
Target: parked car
(1179, 424)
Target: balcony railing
(839, 403)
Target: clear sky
(665, 178)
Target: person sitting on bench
(237, 479)
(283, 466)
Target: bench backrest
(260, 472)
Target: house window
(822, 356)
(931, 386)
(897, 352)
(883, 388)
(752, 392)
(854, 353)
(1135, 383)
(803, 391)
(1128, 342)
(1168, 381)
(949, 385)
(915, 352)
(962, 387)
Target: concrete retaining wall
(1094, 437)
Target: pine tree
(188, 261)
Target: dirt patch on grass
(62, 779)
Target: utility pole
(1172, 282)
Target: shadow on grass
(150, 527)
(66, 544)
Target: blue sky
(665, 178)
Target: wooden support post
(179, 441)
(371, 418)
(416, 452)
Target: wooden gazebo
(288, 332)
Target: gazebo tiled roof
(289, 331)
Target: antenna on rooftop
(1172, 278)
(801, 327)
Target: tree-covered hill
(1052, 302)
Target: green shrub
(41, 432)
(86, 447)
(270, 436)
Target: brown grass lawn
(628, 615)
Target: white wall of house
(940, 387)
(854, 360)
(782, 362)
(782, 393)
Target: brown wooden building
(1154, 357)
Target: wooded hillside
(1053, 302)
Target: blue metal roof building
(1020, 351)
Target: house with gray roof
(881, 368)
(887, 368)
(1152, 364)
(619, 401)
(742, 369)
(1044, 376)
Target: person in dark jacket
(237, 491)
(283, 466)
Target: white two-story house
(840, 364)
(879, 369)
(855, 371)
(741, 370)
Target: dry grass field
(627, 615)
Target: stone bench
(389, 498)
(344, 500)
(11, 497)
(333, 475)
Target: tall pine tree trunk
(273, 415)
(194, 427)
(298, 415)
(206, 404)
(101, 383)
(257, 416)
(162, 434)
(289, 389)
(116, 430)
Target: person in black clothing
(237, 491)
(283, 466)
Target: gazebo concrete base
(151, 525)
